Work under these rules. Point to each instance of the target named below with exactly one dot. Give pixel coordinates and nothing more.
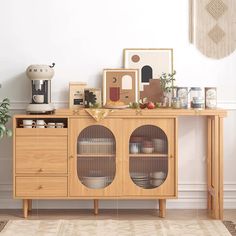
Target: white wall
(82, 38)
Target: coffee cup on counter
(38, 98)
(51, 125)
(59, 125)
(28, 124)
(40, 124)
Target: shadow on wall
(16, 88)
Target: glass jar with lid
(211, 97)
(182, 94)
(197, 98)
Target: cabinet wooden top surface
(126, 113)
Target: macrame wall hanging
(213, 26)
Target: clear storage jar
(182, 94)
(197, 98)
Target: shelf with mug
(42, 122)
(157, 155)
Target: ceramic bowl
(156, 182)
(159, 145)
(158, 175)
(147, 150)
(95, 182)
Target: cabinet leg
(25, 208)
(95, 206)
(162, 208)
(30, 204)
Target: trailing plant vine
(4, 118)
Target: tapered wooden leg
(162, 208)
(95, 206)
(25, 208)
(30, 204)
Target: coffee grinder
(40, 76)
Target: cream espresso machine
(40, 76)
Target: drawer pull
(40, 170)
(40, 187)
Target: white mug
(51, 125)
(40, 124)
(59, 125)
(38, 98)
(28, 124)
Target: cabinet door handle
(71, 157)
(40, 170)
(40, 187)
(171, 156)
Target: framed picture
(151, 63)
(76, 98)
(120, 86)
(92, 97)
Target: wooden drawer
(41, 143)
(41, 132)
(41, 186)
(41, 155)
(41, 161)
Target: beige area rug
(2, 224)
(114, 228)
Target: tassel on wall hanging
(213, 26)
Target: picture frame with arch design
(151, 63)
(120, 86)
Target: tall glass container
(197, 98)
(182, 94)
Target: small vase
(166, 102)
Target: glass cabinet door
(148, 157)
(96, 161)
(150, 161)
(95, 164)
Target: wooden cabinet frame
(63, 179)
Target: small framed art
(151, 63)
(92, 97)
(76, 98)
(120, 86)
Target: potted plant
(167, 86)
(4, 117)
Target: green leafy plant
(4, 118)
(167, 82)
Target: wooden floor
(113, 214)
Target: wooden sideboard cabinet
(130, 154)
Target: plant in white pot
(4, 118)
(167, 86)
